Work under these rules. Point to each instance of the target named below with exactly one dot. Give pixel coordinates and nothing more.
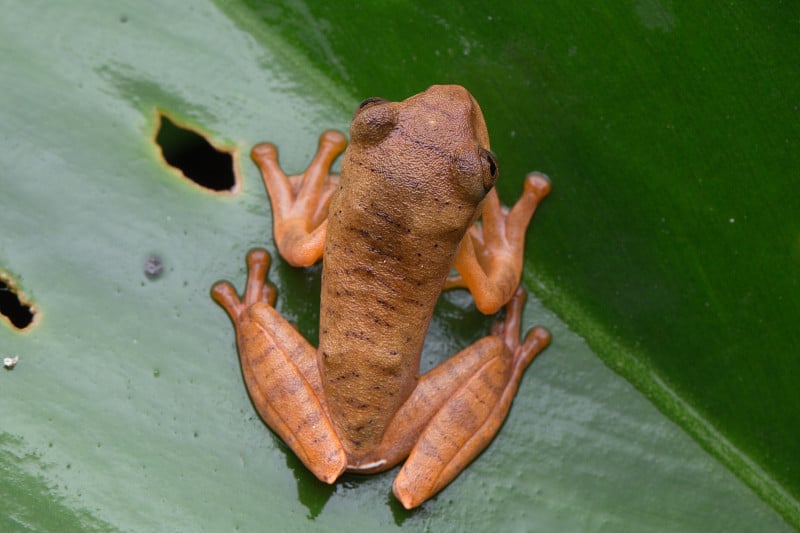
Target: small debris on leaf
(153, 267)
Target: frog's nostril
(17, 311)
(195, 157)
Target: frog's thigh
(279, 368)
(466, 422)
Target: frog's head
(434, 143)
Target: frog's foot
(258, 289)
(300, 203)
(456, 409)
(489, 258)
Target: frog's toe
(334, 138)
(537, 339)
(225, 295)
(538, 183)
(264, 152)
(258, 288)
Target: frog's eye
(490, 169)
(370, 101)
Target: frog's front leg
(456, 409)
(489, 258)
(300, 203)
(280, 371)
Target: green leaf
(127, 410)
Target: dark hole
(193, 155)
(18, 313)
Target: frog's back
(380, 285)
(410, 188)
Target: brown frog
(415, 178)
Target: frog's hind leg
(468, 414)
(300, 203)
(489, 258)
(280, 371)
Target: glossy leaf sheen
(127, 410)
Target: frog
(413, 211)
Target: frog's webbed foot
(300, 203)
(489, 258)
(456, 409)
(258, 289)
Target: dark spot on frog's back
(360, 231)
(388, 218)
(386, 305)
(358, 403)
(352, 374)
(359, 335)
(381, 322)
(366, 270)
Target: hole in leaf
(195, 157)
(18, 312)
